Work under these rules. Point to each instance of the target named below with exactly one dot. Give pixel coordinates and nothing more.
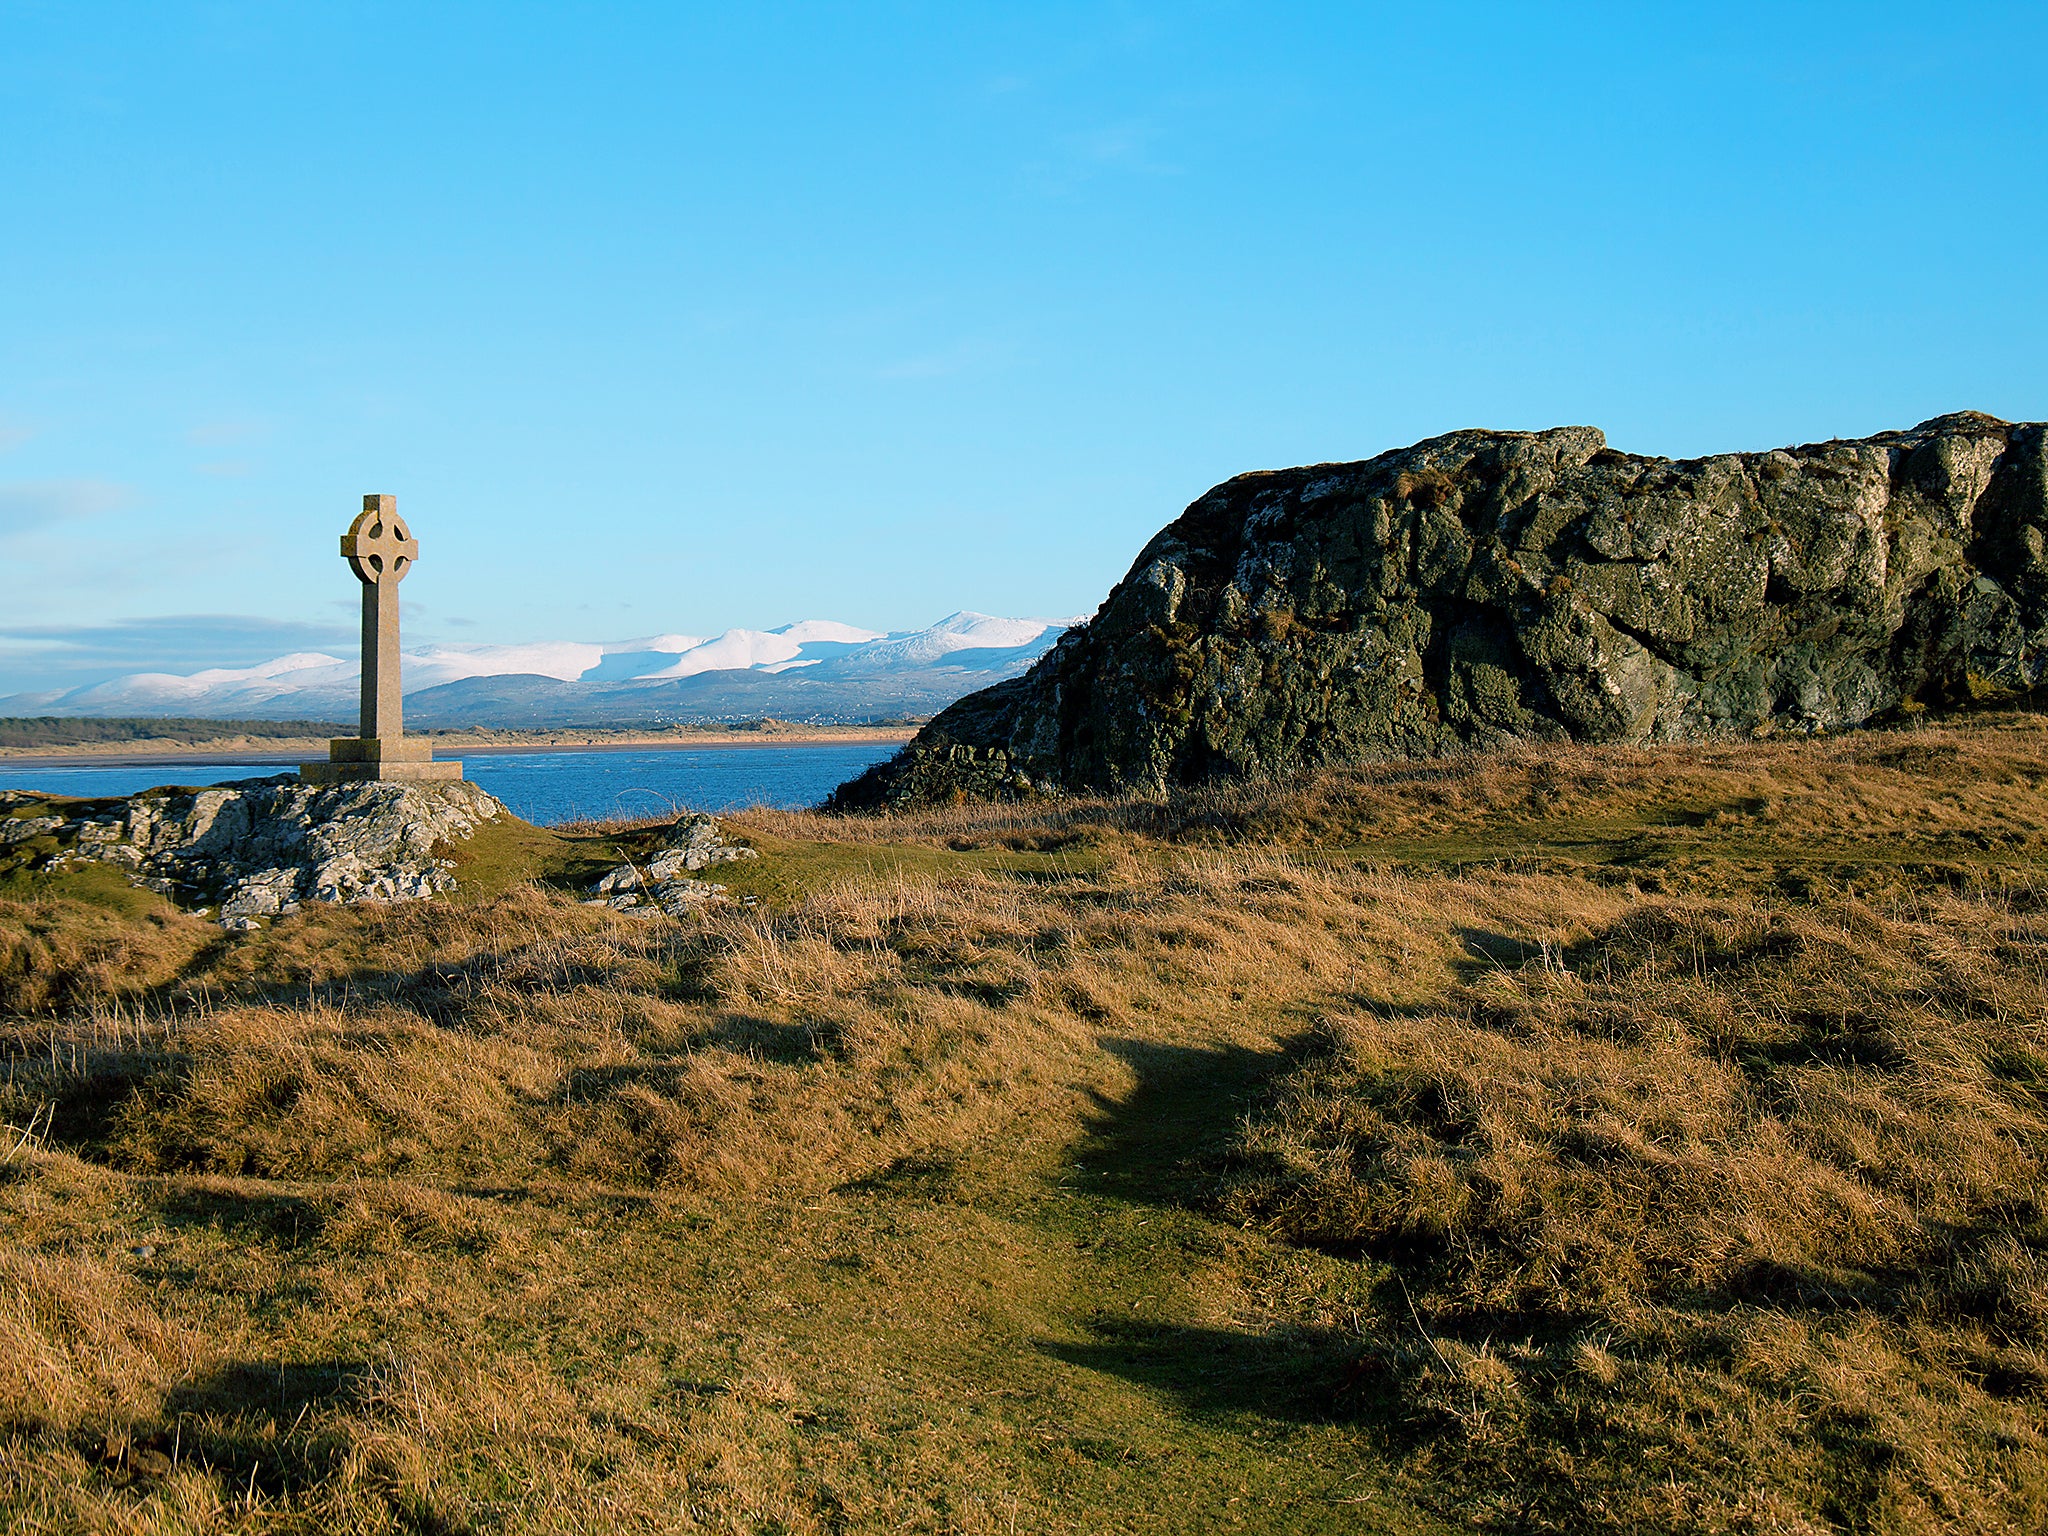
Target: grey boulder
(1487, 587)
(663, 883)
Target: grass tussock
(1732, 1210)
(58, 955)
(867, 1015)
(1564, 1140)
(79, 1345)
(1926, 792)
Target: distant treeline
(49, 731)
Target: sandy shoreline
(290, 753)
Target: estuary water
(543, 787)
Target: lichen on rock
(1486, 587)
(260, 848)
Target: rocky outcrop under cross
(259, 848)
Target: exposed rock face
(663, 883)
(261, 847)
(1487, 586)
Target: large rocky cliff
(1487, 586)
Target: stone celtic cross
(378, 545)
(381, 550)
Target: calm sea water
(551, 787)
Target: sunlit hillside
(1571, 1139)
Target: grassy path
(1041, 1335)
(1037, 1332)
(1051, 1326)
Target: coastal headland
(1493, 988)
(1482, 588)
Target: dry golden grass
(871, 1041)
(1735, 1212)
(1566, 1140)
(62, 954)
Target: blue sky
(676, 317)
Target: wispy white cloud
(66, 655)
(27, 506)
(1128, 148)
(14, 432)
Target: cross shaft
(381, 550)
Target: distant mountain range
(813, 671)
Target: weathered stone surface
(262, 847)
(20, 829)
(1488, 586)
(663, 883)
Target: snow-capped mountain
(816, 670)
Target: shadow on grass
(1485, 950)
(268, 1392)
(917, 1176)
(270, 1216)
(1163, 1143)
(1304, 1376)
(1163, 1146)
(258, 1425)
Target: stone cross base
(350, 758)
